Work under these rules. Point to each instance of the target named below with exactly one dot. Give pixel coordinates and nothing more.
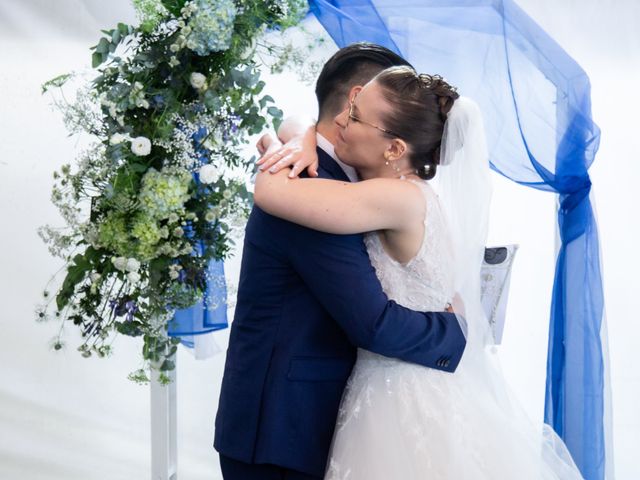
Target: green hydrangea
(148, 234)
(113, 235)
(165, 192)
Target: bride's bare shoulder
(405, 195)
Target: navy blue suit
(306, 300)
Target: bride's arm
(340, 207)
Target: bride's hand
(267, 145)
(298, 153)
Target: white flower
(178, 232)
(174, 271)
(132, 265)
(120, 263)
(118, 138)
(95, 277)
(209, 216)
(142, 103)
(198, 81)
(174, 48)
(227, 194)
(133, 277)
(173, 61)
(141, 146)
(208, 174)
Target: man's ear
(354, 90)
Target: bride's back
(425, 283)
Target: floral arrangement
(157, 191)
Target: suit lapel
(330, 166)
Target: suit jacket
(306, 301)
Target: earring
(427, 169)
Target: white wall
(65, 417)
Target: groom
(306, 301)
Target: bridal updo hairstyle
(420, 103)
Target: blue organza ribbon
(210, 313)
(536, 102)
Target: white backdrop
(66, 417)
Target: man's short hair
(352, 65)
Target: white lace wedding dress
(403, 421)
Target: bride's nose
(341, 118)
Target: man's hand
(457, 307)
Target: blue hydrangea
(211, 26)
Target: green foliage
(107, 45)
(56, 82)
(177, 93)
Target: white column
(164, 440)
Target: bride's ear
(396, 150)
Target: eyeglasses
(358, 119)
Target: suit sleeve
(337, 270)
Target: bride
(399, 420)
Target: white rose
(120, 263)
(141, 146)
(198, 81)
(95, 277)
(132, 265)
(133, 277)
(118, 138)
(208, 174)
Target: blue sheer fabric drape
(210, 313)
(536, 103)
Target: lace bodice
(425, 283)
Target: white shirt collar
(328, 147)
